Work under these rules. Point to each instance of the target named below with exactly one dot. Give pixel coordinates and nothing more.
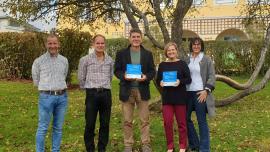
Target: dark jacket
(148, 68)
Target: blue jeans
(202, 143)
(50, 105)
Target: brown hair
(135, 30)
(167, 47)
(53, 35)
(193, 41)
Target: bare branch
(248, 91)
(160, 21)
(146, 26)
(129, 14)
(180, 11)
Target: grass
(242, 126)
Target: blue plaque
(134, 71)
(169, 78)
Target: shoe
(170, 150)
(182, 150)
(146, 148)
(193, 150)
(127, 149)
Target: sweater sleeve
(186, 78)
(151, 68)
(118, 71)
(210, 83)
(159, 74)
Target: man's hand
(142, 79)
(128, 79)
(202, 96)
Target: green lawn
(242, 126)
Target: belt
(53, 92)
(98, 89)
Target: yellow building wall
(209, 9)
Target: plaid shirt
(95, 74)
(49, 73)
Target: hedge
(18, 51)
(230, 58)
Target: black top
(174, 95)
(148, 68)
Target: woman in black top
(174, 97)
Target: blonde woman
(174, 97)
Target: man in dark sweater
(135, 91)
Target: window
(198, 2)
(225, 1)
(231, 38)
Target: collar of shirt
(197, 58)
(48, 55)
(93, 55)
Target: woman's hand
(177, 83)
(202, 96)
(161, 83)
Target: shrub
(74, 45)
(19, 50)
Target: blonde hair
(98, 35)
(167, 47)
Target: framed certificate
(169, 78)
(134, 71)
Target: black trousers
(97, 102)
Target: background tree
(168, 15)
(257, 12)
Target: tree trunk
(255, 73)
(246, 92)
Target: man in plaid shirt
(95, 75)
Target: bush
(235, 57)
(74, 45)
(114, 45)
(18, 51)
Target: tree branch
(160, 21)
(146, 26)
(129, 14)
(240, 95)
(179, 13)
